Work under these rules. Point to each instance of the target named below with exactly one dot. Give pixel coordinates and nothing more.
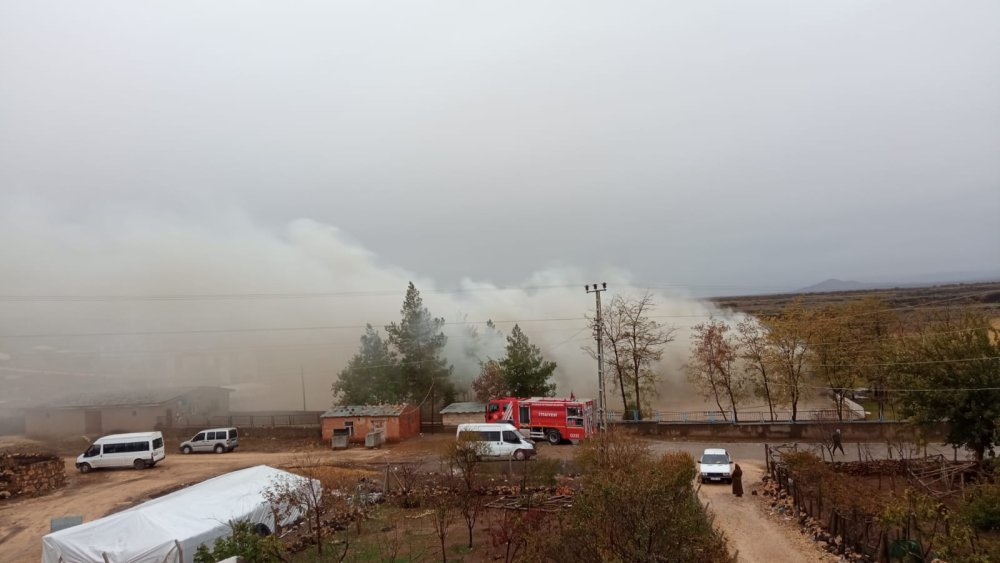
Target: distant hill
(926, 280)
(834, 284)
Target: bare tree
(443, 515)
(312, 496)
(465, 458)
(634, 345)
(713, 365)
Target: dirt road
(23, 522)
(750, 530)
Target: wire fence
(726, 417)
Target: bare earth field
(757, 535)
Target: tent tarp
(170, 528)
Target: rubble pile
(30, 474)
(781, 504)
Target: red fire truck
(549, 418)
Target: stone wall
(30, 474)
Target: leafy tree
(713, 364)
(525, 372)
(491, 383)
(420, 343)
(372, 375)
(951, 371)
(752, 346)
(243, 541)
(847, 344)
(788, 336)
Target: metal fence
(723, 417)
(244, 421)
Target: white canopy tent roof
(170, 528)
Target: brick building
(399, 421)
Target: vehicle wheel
(139, 464)
(554, 437)
(519, 455)
(186, 450)
(219, 449)
(85, 468)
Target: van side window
(157, 443)
(199, 437)
(491, 435)
(469, 435)
(142, 446)
(212, 436)
(111, 448)
(232, 434)
(510, 437)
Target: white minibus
(138, 449)
(499, 439)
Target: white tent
(170, 528)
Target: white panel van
(500, 440)
(216, 440)
(138, 449)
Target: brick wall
(24, 474)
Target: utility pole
(302, 378)
(602, 412)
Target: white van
(138, 449)
(500, 439)
(216, 440)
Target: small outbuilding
(399, 422)
(462, 413)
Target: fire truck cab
(545, 418)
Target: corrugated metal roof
(365, 410)
(463, 408)
(125, 397)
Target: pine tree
(372, 375)
(425, 375)
(527, 374)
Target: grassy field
(906, 300)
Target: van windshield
(714, 459)
(92, 451)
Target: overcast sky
(751, 145)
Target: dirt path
(750, 530)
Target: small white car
(715, 465)
(216, 440)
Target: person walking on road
(738, 481)
(837, 443)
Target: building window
(349, 424)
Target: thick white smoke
(139, 297)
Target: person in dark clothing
(837, 443)
(738, 481)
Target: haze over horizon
(235, 148)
